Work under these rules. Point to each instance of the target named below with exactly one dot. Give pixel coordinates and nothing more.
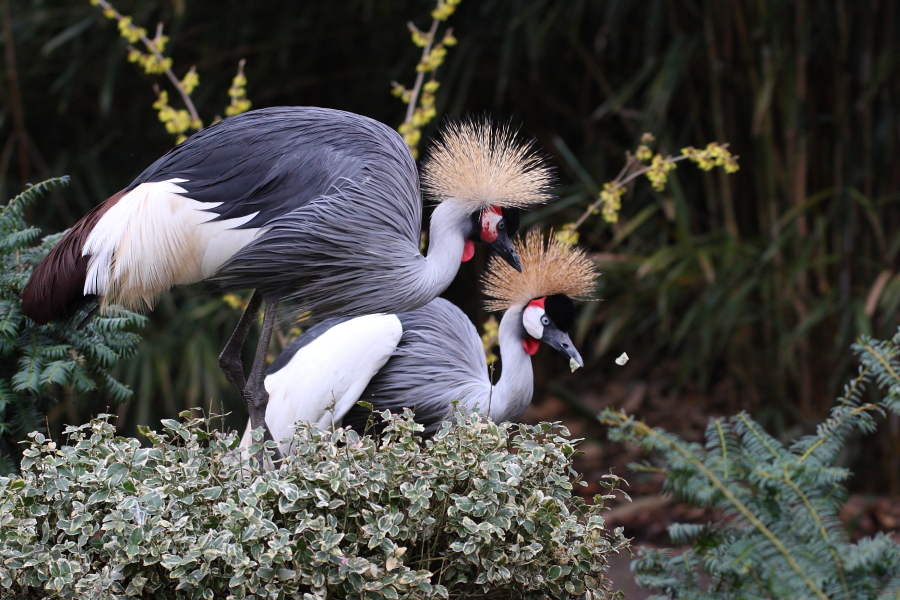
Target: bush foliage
(473, 512)
(779, 536)
(41, 364)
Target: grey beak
(562, 343)
(503, 247)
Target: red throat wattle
(468, 251)
(531, 345)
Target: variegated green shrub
(478, 511)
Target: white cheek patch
(531, 319)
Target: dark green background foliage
(474, 512)
(40, 365)
(761, 279)
(779, 536)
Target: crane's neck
(512, 394)
(450, 224)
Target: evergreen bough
(474, 512)
(39, 364)
(779, 536)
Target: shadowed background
(729, 292)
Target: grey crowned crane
(429, 358)
(317, 206)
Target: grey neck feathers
(447, 235)
(512, 394)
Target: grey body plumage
(336, 193)
(439, 362)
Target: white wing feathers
(325, 378)
(155, 237)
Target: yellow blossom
(611, 200)
(190, 81)
(434, 59)
(444, 10)
(567, 235)
(235, 301)
(714, 155)
(418, 38)
(162, 100)
(401, 92)
(129, 31)
(658, 173)
(238, 94)
(159, 42)
(643, 153)
(490, 338)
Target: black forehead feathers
(475, 230)
(561, 311)
(511, 216)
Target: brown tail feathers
(55, 290)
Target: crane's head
(548, 320)
(552, 275)
(495, 226)
(492, 175)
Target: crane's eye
(501, 226)
(545, 321)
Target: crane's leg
(230, 359)
(255, 391)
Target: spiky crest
(482, 164)
(547, 268)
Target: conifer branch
(820, 525)
(619, 419)
(853, 413)
(884, 363)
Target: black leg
(230, 359)
(255, 391)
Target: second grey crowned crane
(430, 358)
(317, 206)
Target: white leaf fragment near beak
(622, 359)
(573, 364)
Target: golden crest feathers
(548, 267)
(480, 164)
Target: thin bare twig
(420, 76)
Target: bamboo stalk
(15, 94)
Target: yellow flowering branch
(420, 99)
(656, 168)
(154, 62)
(238, 93)
(179, 122)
